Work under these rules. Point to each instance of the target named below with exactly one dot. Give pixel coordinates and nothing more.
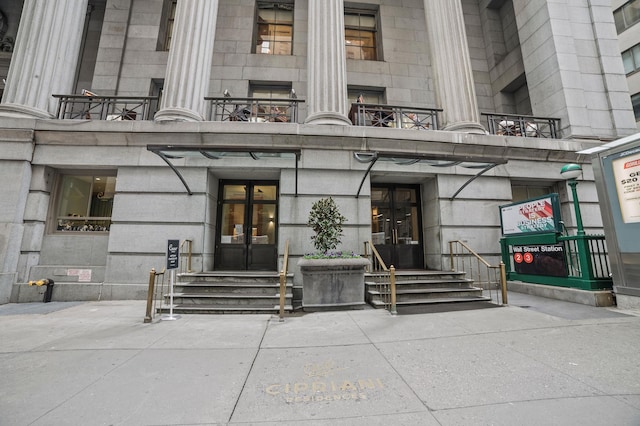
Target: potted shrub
(330, 279)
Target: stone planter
(332, 283)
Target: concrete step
(434, 283)
(216, 310)
(230, 292)
(227, 299)
(379, 304)
(414, 288)
(240, 277)
(230, 288)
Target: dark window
(166, 29)
(361, 35)
(627, 15)
(522, 192)
(631, 59)
(274, 28)
(635, 101)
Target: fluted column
(452, 65)
(45, 57)
(326, 64)
(186, 82)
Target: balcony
(269, 110)
(522, 125)
(110, 108)
(254, 110)
(399, 117)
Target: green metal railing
(586, 256)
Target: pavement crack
(253, 361)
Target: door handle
(395, 236)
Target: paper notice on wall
(627, 174)
(84, 275)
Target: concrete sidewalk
(534, 362)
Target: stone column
(451, 66)
(186, 82)
(326, 64)
(45, 57)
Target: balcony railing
(522, 125)
(113, 108)
(257, 110)
(400, 117)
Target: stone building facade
(125, 123)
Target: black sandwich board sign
(173, 254)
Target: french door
(396, 225)
(247, 226)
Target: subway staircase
(239, 292)
(426, 288)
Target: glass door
(396, 225)
(247, 218)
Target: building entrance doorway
(247, 226)
(396, 225)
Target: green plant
(326, 221)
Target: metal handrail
(152, 293)
(461, 258)
(256, 110)
(185, 266)
(110, 108)
(283, 279)
(394, 116)
(384, 278)
(377, 264)
(522, 125)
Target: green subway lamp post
(571, 172)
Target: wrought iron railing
(283, 279)
(590, 251)
(400, 117)
(492, 278)
(383, 277)
(523, 125)
(111, 108)
(256, 110)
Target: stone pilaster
(188, 69)
(45, 57)
(451, 66)
(326, 64)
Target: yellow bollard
(392, 271)
(283, 290)
(152, 281)
(503, 283)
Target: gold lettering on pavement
(314, 388)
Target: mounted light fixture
(571, 171)
(365, 156)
